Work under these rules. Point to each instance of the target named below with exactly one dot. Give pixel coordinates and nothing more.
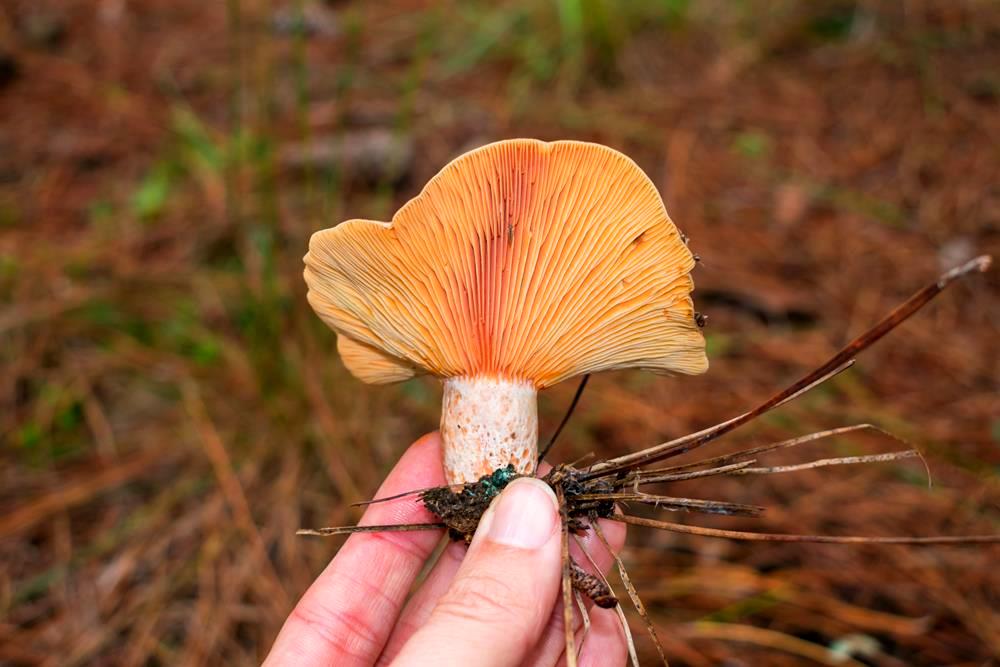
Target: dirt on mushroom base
(461, 510)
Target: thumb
(502, 596)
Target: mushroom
(520, 264)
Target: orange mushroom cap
(522, 260)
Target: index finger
(346, 615)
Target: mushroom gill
(519, 265)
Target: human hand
(498, 605)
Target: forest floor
(171, 410)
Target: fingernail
(525, 516)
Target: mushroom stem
(487, 423)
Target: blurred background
(171, 410)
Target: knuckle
(346, 633)
(484, 597)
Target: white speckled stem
(487, 423)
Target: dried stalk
(837, 363)
(633, 594)
(822, 539)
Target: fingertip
(599, 556)
(425, 450)
(432, 440)
(606, 643)
(418, 467)
(614, 532)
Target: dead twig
(567, 584)
(822, 539)
(350, 530)
(821, 463)
(79, 489)
(633, 595)
(232, 490)
(565, 420)
(769, 639)
(837, 363)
